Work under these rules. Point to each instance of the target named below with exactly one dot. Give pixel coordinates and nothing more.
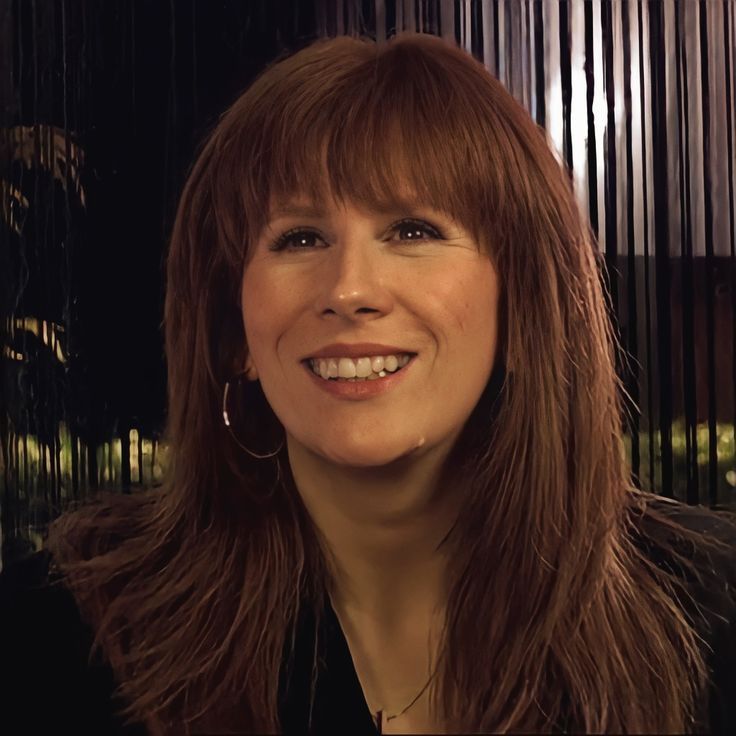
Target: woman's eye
(295, 240)
(412, 230)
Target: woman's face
(351, 276)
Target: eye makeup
(284, 241)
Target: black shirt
(50, 687)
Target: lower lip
(357, 390)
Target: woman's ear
(251, 372)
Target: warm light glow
(44, 330)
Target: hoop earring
(226, 418)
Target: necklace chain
(378, 717)
(379, 714)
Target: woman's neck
(381, 528)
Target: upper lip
(357, 350)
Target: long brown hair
(553, 612)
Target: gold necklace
(378, 717)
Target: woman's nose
(353, 282)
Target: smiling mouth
(346, 370)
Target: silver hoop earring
(226, 417)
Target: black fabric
(49, 686)
(338, 705)
(712, 605)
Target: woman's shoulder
(705, 535)
(31, 593)
(52, 683)
(721, 522)
(670, 531)
(709, 542)
(31, 587)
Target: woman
(450, 542)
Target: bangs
(390, 126)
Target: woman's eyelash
(284, 240)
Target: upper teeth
(358, 367)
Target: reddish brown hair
(553, 612)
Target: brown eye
(413, 230)
(296, 239)
(416, 230)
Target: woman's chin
(370, 454)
